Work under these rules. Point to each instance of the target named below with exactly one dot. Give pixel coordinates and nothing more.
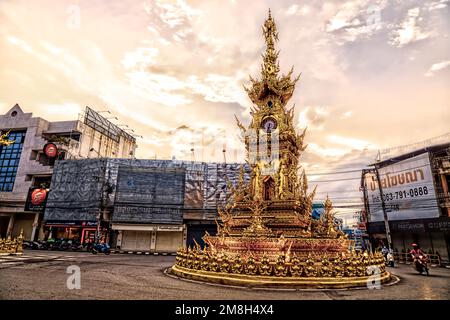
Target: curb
(144, 253)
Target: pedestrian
(385, 252)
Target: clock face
(269, 125)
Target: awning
(68, 224)
(146, 227)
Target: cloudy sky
(375, 74)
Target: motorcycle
(41, 245)
(34, 245)
(390, 261)
(101, 247)
(420, 264)
(64, 245)
(76, 246)
(51, 244)
(27, 244)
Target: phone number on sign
(403, 194)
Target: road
(43, 275)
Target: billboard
(408, 190)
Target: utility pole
(383, 206)
(103, 181)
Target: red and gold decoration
(36, 200)
(51, 150)
(12, 246)
(38, 196)
(266, 235)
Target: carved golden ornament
(204, 262)
(325, 270)
(296, 269)
(265, 267)
(361, 268)
(310, 269)
(280, 268)
(237, 265)
(12, 246)
(250, 266)
(4, 141)
(224, 264)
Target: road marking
(8, 261)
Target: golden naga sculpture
(12, 246)
(4, 141)
(266, 235)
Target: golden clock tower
(273, 146)
(266, 235)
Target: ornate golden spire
(271, 84)
(270, 67)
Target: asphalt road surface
(43, 275)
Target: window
(9, 160)
(43, 182)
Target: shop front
(149, 237)
(83, 231)
(433, 235)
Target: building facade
(26, 166)
(415, 192)
(137, 205)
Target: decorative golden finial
(270, 66)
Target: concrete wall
(31, 163)
(14, 202)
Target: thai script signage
(408, 190)
(441, 224)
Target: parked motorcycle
(53, 244)
(101, 248)
(64, 245)
(41, 245)
(420, 263)
(27, 244)
(76, 246)
(33, 245)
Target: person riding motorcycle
(416, 251)
(419, 258)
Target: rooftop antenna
(192, 153)
(224, 151)
(203, 143)
(378, 158)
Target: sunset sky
(375, 74)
